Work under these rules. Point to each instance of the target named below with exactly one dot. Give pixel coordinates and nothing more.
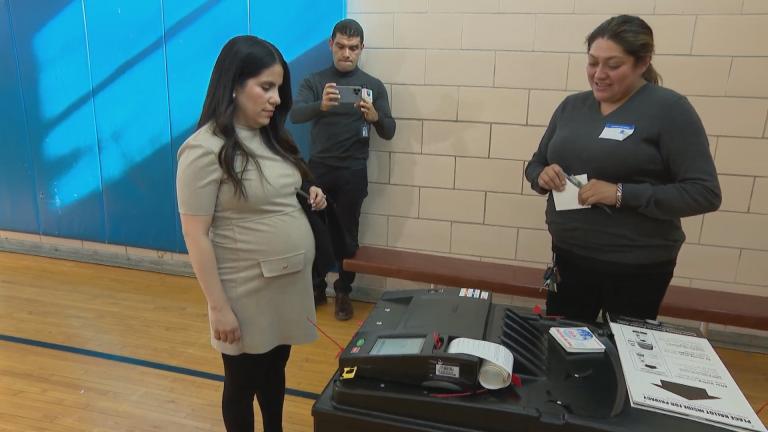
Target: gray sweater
(336, 136)
(665, 166)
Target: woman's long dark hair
(633, 35)
(242, 58)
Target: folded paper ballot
(496, 369)
(568, 199)
(576, 339)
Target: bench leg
(704, 328)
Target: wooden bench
(695, 304)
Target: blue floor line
(137, 362)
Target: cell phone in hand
(349, 94)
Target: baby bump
(266, 247)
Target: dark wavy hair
(348, 27)
(242, 58)
(633, 35)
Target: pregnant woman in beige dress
(248, 239)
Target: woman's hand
(317, 198)
(224, 324)
(598, 192)
(552, 177)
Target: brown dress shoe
(343, 307)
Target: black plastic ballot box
(396, 374)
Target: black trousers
(249, 375)
(346, 189)
(589, 285)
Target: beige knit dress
(263, 245)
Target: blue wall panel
(195, 31)
(295, 27)
(125, 41)
(300, 29)
(56, 86)
(98, 95)
(18, 206)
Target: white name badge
(617, 131)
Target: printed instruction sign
(675, 371)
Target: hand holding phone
(330, 97)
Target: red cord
(341, 348)
(450, 395)
(436, 338)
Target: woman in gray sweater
(646, 155)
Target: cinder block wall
(473, 83)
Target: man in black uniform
(339, 141)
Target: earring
(233, 95)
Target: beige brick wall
(474, 83)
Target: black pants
(346, 189)
(249, 375)
(588, 285)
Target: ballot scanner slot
(527, 344)
(524, 327)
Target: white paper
(496, 369)
(677, 372)
(568, 199)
